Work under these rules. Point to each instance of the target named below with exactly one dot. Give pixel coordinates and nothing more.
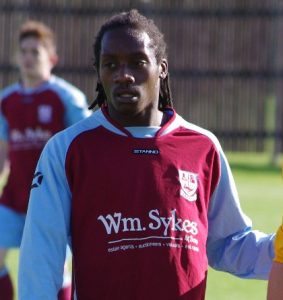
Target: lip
(28, 66)
(126, 95)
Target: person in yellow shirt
(275, 283)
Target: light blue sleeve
(76, 108)
(47, 227)
(3, 122)
(232, 244)
(73, 99)
(3, 128)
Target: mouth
(28, 67)
(126, 96)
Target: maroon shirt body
(134, 234)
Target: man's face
(34, 59)
(130, 75)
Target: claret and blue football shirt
(28, 118)
(144, 209)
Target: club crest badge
(44, 113)
(189, 185)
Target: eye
(23, 51)
(35, 52)
(140, 63)
(109, 65)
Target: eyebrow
(111, 54)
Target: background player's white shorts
(11, 227)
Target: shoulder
(61, 141)
(198, 131)
(65, 89)
(9, 90)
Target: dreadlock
(100, 98)
(134, 19)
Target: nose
(27, 57)
(124, 75)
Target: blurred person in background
(31, 111)
(275, 283)
(148, 198)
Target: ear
(54, 59)
(163, 69)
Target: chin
(124, 109)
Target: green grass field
(260, 187)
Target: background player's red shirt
(32, 118)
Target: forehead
(126, 41)
(32, 42)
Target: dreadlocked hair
(100, 98)
(165, 98)
(133, 19)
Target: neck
(155, 118)
(33, 82)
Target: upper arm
(47, 227)
(232, 245)
(76, 107)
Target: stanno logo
(146, 151)
(189, 185)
